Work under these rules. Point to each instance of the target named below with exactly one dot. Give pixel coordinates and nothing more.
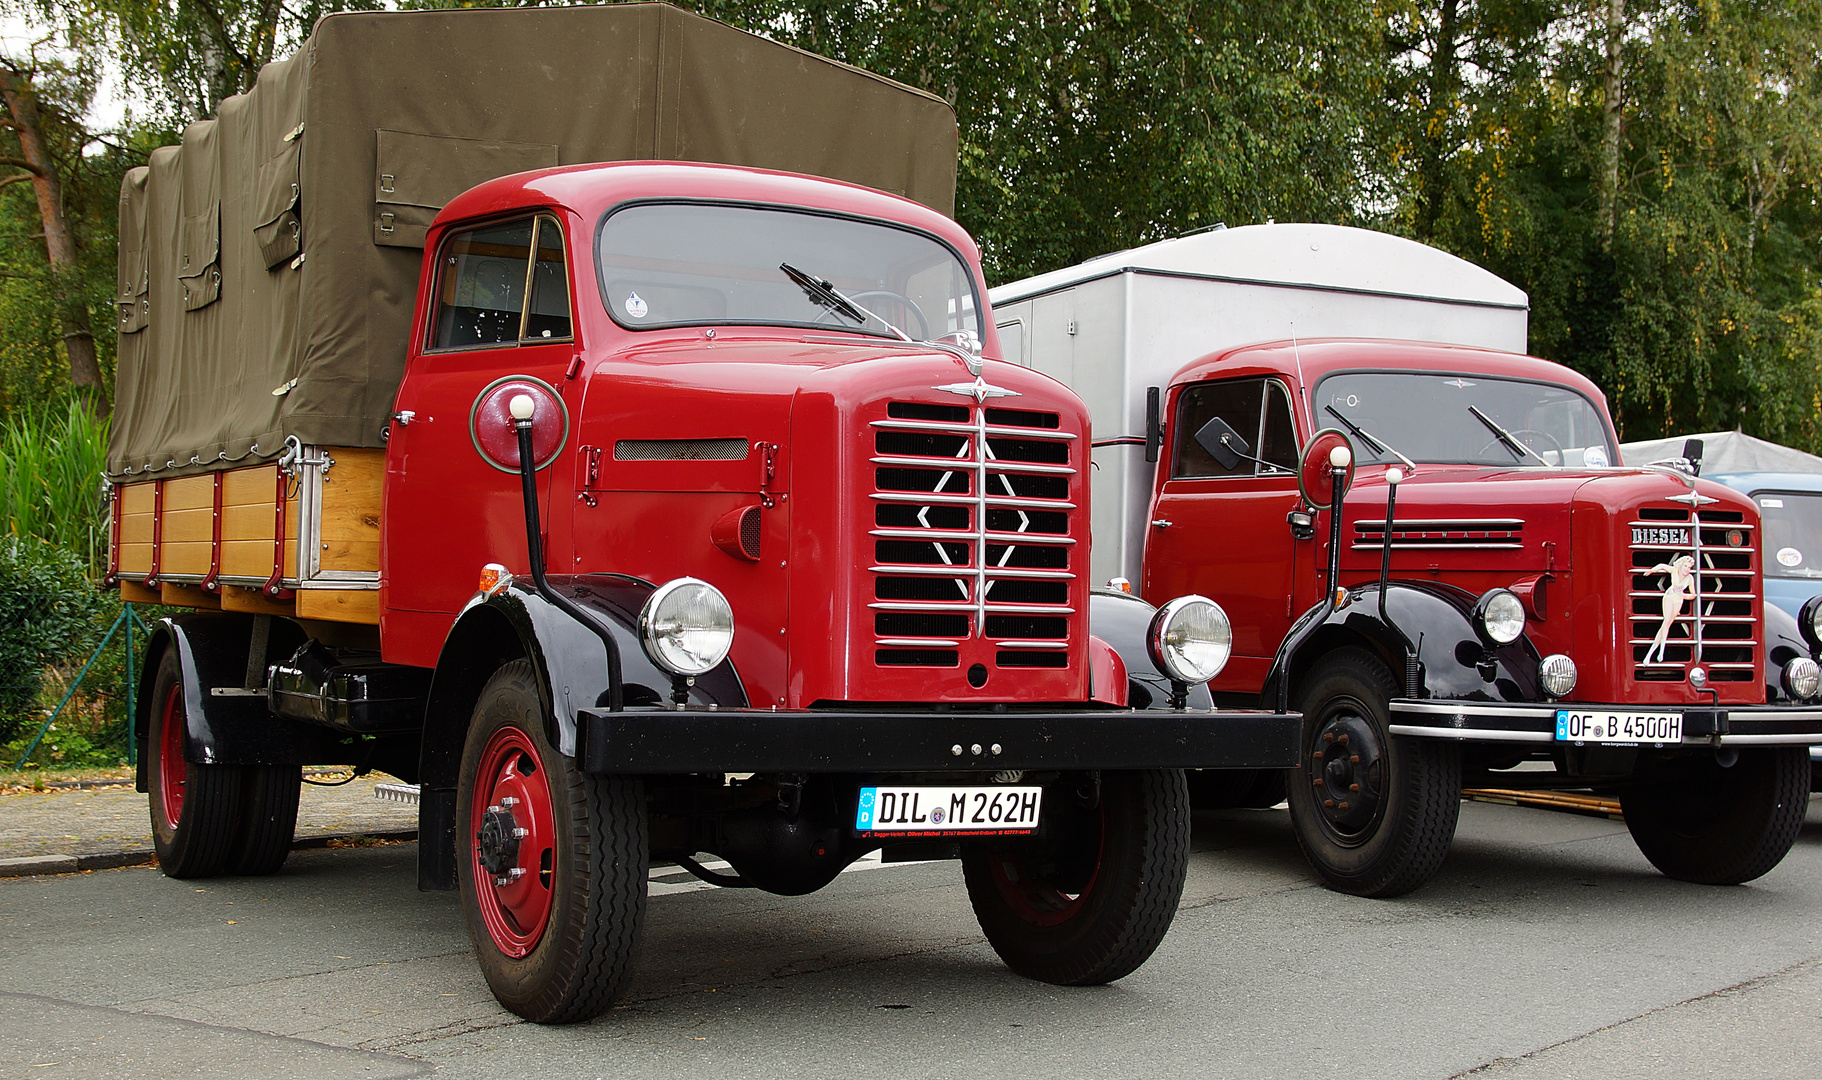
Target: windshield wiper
(1372, 444)
(1512, 442)
(825, 294)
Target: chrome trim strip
(1472, 734)
(1474, 708)
(1766, 740)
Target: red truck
(700, 517)
(1428, 549)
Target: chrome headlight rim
(658, 627)
(1809, 622)
(1556, 673)
(1499, 612)
(1169, 642)
(1802, 678)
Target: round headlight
(1802, 678)
(1809, 621)
(1499, 617)
(1190, 639)
(1557, 673)
(687, 626)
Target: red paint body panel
(1574, 558)
(806, 609)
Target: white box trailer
(1117, 325)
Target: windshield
(1793, 533)
(1432, 418)
(696, 264)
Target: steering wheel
(1518, 433)
(910, 305)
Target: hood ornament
(1682, 589)
(980, 389)
(1693, 498)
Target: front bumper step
(1518, 722)
(660, 741)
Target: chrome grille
(971, 539)
(1718, 628)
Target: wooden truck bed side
(209, 541)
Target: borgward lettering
(980, 390)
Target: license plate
(1612, 727)
(975, 811)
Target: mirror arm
(534, 550)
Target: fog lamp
(1802, 678)
(1190, 639)
(1557, 673)
(687, 626)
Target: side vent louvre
(680, 449)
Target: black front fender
(1783, 643)
(570, 662)
(1437, 619)
(1122, 620)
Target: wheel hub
(1347, 770)
(498, 840)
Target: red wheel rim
(1039, 902)
(172, 771)
(513, 852)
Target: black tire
(1235, 789)
(1374, 813)
(1716, 826)
(1092, 903)
(595, 877)
(268, 818)
(195, 808)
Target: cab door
(1222, 532)
(500, 306)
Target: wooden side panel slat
(339, 605)
(190, 493)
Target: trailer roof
(1329, 257)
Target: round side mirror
(1322, 453)
(491, 421)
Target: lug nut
(494, 809)
(1354, 758)
(1344, 806)
(1318, 781)
(1330, 803)
(522, 832)
(1328, 736)
(510, 801)
(1342, 739)
(1351, 787)
(518, 872)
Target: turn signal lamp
(1121, 584)
(494, 577)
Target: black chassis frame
(1469, 693)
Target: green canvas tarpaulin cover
(269, 264)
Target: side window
(1277, 435)
(481, 299)
(548, 319)
(1236, 401)
(487, 274)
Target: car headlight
(1809, 621)
(1557, 673)
(687, 626)
(1190, 639)
(1802, 678)
(1499, 617)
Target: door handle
(1160, 524)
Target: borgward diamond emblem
(980, 390)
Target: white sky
(109, 109)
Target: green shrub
(50, 479)
(50, 616)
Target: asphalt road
(1547, 948)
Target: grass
(51, 461)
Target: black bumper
(1510, 722)
(659, 741)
